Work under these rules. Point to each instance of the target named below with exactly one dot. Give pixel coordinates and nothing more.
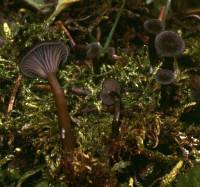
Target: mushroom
(110, 96)
(109, 87)
(43, 61)
(168, 44)
(153, 27)
(165, 76)
(93, 52)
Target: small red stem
(73, 43)
(162, 13)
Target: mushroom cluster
(168, 45)
(165, 45)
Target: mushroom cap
(165, 76)
(44, 58)
(169, 44)
(109, 87)
(153, 26)
(111, 52)
(93, 50)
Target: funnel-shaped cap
(169, 44)
(43, 59)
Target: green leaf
(149, 1)
(61, 5)
(38, 4)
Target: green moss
(148, 134)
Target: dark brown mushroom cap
(165, 76)
(93, 50)
(154, 26)
(111, 52)
(169, 44)
(110, 87)
(44, 58)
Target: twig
(193, 11)
(13, 93)
(60, 23)
(193, 16)
(41, 87)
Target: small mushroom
(110, 96)
(109, 87)
(93, 50)
(111, 52)
(169, 44)
(153, 27)
(165, 76)
(43, 61)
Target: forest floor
(148, 136)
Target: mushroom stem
(167, 92)
(153, 58)
(116, 121)
(168, 63)
(67, 137)
(116, 118)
